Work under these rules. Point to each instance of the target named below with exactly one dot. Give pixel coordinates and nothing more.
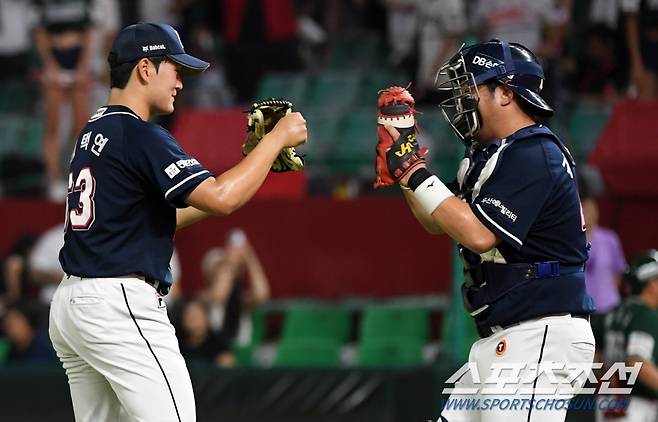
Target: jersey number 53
(83, 215)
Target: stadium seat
(21, 134)
(4, 351)
(374, 81)
(316, 322)
(363, 50)
(308, 352)
(354, 149)
(390, 352)
(17, 97)
(392, 336)
(291, 86)
(322, 124)
(384, 322)
(337, 90)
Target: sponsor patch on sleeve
(502, 208)
(172, 170)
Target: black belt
(486, 331)
(162, 289)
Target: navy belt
(498, 279)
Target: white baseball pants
(558, 339)
(120, 352)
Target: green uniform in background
(631, 329)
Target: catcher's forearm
(232, 189)
(423, 217)
(457, 220)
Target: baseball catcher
(396, 157)
(516, 218)
(262, 118)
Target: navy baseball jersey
(526, 194)
(127, 177)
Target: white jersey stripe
(484, 214)
(93, 119)
(183, 181)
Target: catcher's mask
(509, 64)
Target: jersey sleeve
(157, 157)
(642, 337)
(513, 188)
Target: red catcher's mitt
(396, 158)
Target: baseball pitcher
(130, 187)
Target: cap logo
(153, 47)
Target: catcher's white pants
(559, 339)
(120, 352)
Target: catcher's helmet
(513, 65)
(641, 269)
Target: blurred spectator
(14, 274)
(106, 16)
(226, 271)
(402, 25)
(604, 12)
(46, 271)
(599, 72)
(441, 26)
(318, 30)
(200, 34)
(261, 36)
(16, 21)
(161, 11)
(63, 38)
(606, 263)
(535, 24)
(641, 27)
(197, 341)
(28, 344)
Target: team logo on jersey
(172, 170)
(501, 347)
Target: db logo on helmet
(481, 61)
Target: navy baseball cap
(153, 40)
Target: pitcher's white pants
(119, 350)
(556, 339)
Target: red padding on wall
(309, 247)
(215, 137)
(627, 151)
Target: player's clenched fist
(292, 129)
(276, 117)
